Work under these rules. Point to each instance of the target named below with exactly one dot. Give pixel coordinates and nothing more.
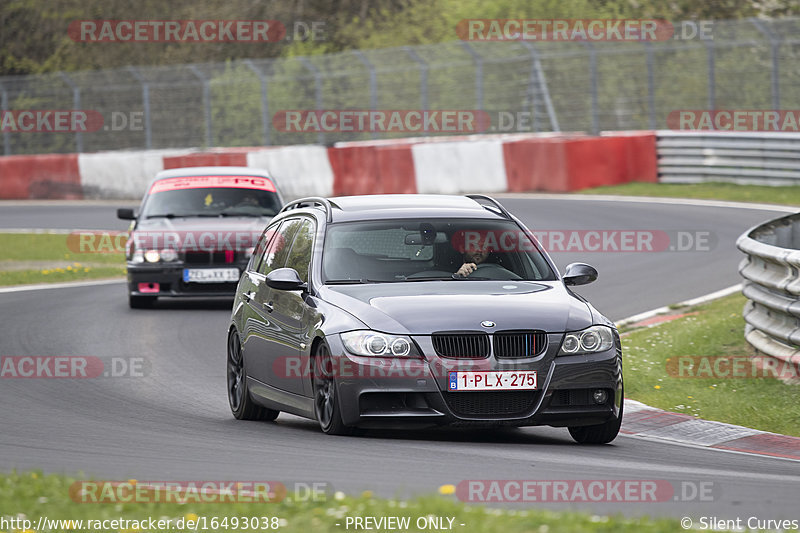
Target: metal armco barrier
(760, 158)
(771, 273)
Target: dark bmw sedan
(195, 231)
(414, 311)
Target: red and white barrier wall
(448, 165)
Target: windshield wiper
(432, 278)
(344, 281)
(168, 215)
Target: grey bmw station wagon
(415, 311)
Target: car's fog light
(600, 396)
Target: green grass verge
(788, 195)
(652, 374)
(50, 258)
(53, 247)
(35, 495)
(75, 272)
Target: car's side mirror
(285, 279)
(579, 274)
(125, 213)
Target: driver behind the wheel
(474, 255)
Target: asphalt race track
(174, 423)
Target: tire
(600, 433)
(239, 400)
(326, 403)
(141, 302)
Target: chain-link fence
(523, 86)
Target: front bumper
(382, 392)
(169, 278)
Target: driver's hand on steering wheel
(466, 269)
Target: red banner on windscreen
(204, 182)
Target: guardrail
(771, 273)
(760, 158)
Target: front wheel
(600, 433)
(242, 406)
(326, 400)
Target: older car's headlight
(590, 340)
(375, 344)
(152, 256)
(168, 254)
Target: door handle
(248, 295)
(268, 307)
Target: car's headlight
(168, 254)
(590, 340)
(137, 256)
(375, 344)
(152, 256)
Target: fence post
(317, 92)
(593, 81)
(373, 83)
(478, 74)
(4, 110)
(423, 79)
(148, 128)
(265, 125)
(651, 86)
(206, 104)
(76, 105)
(712, 80)
(775, 43)
(537, 76)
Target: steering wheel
(494, 271)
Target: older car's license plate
(210, 275)
(489, 380)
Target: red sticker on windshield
(203, 182)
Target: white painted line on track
(651, 200)
(687, 303)
(64, 285)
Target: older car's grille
(216, 257)
(461, 345)
(501, 403)
(515, 344)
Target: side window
(278, 250)
(263, 244)
(300, 256)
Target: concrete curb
(641, 420)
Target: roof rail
(310, 201)
(494, 203)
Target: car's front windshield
(211, 201)
(412, 250)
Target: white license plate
(505, 380)
(210, 275)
